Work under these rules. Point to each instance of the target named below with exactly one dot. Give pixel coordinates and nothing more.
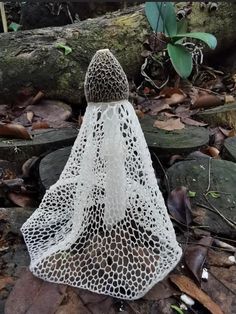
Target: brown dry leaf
(4, 281)
(187, 286)
(33, 295)
(226, 276)
(211, 151)
(72, 304)
(168, 92)
(207, 101)
(139, 113)
(22, 200)
(175, 99)
(169, 125)
(219, 258)
(14, 131)
(195, 256)
(229, 99)
(29, 116)
(179, 206)
(51, 110)
(228, 133)
(220, 293)
(40, 125)
(155, 106)
(192, 122)
(162, 290)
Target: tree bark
(30, 58)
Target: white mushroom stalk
(104, 226)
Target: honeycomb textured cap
(105, 80)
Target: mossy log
(220, 116)
(30, 58)
(43, 141)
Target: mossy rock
(43, 142)
(229, 149)
(173, 142)
(220, 116)
(194, 174)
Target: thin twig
(209, 175)
(3, 17)
(228, 221)
(165, 174)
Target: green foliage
(14, 27)
(181, 59)
(66, 48)
(177, 309)
(208, 39)
(191, 193)
(162, 18)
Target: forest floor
(190, 128)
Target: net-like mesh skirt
(103, 225)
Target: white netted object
(103, 226)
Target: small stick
(3, 16)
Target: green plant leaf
(207, 38)
(182, 26)
(181, 59)
(66, 48)
(191, 193)
(14, 27)
(161, 17)
(213, 194)
(177, 309)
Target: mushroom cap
(105, 80)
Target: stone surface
(194, 174)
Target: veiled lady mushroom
(103, 226)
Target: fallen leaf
(211, 151)
(175, 99)
(40, 125)
(228, 133)
(51, 110)
(219, 258)
(187, 286)
(30, 116)
(195, 256)
(139, 113)
(168, 92)
(12, 184)
(229, 99)
(192, 122)
(33, 295)
(179, 205)
(72, 304)
(207, 101)
(4, 281)
(169, 125)
(14, 131)
(219, 292)
(227, 276)
(161, 290)
(20, 199)
(28, 166)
